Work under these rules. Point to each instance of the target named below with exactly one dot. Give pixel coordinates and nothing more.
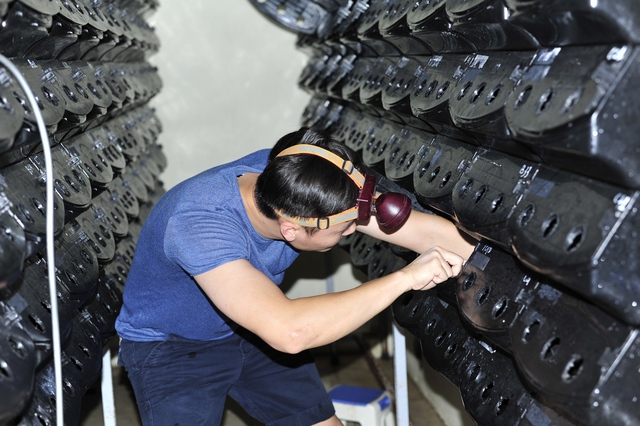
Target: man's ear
(289, 230)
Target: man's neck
(268, 228)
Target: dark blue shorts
(185, 382)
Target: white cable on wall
(51, 273)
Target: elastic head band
(366, 183)
(344, 165)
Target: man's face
(324, 239)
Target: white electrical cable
(46, 149)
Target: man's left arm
(423, 231)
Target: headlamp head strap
(366, 183)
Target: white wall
(230, 87)
(230, 83)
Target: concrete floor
(341, 363)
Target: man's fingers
(445, 264)
(434, 267)
(454, 261)
(452, 258)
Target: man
(203, 316)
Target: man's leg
(281, 389)
(181, 382)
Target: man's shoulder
(254, 162)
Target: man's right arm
(252, 300)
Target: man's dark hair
(306, 185)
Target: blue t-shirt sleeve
(214, 241)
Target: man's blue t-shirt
(196, 226)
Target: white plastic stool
(369, 407)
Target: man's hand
(433, 267)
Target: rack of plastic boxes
(86, 63)
(518, 120)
